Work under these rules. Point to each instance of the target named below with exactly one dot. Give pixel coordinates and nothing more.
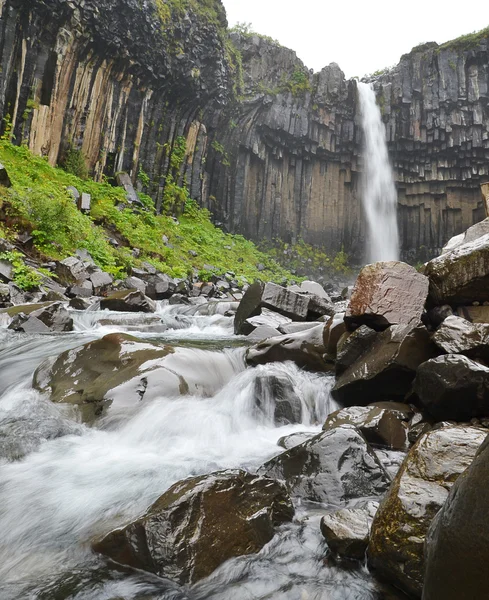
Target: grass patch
(465, 42)
(39, 202)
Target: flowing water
(379, 190)
(62, 483)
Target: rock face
(199, 523)
(387, 293)
(417, 493)
(332, 467)
(460, 276)
(387, 368)
(453, 387)
(457, 545)
(347, 530)
(305, 348)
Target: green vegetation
(465, 42)
(246, 30)
(209, 10)
(38, 202)
(25, 277)
(304, 259)
(298, 83)
(75, 163)
(219, 148)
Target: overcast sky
(362, 36)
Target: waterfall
(379, 192)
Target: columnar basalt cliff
(271, 149)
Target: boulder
(4, 295)
(457, 544)
(460, 276)
(71, 270)
(433, 318)
(294, 439)
(347, 530)
(276, 400)
(199, 523)
(459, 336)
(101, 281)
(471, 234)
(382, 424)
(128, 301)
(53, 317)
(249, 306)
(292, 327)
(134, 283)
(474, 314)
(387, 293)
(386, 370)
(334, 467)
(336, 327)
(353, 347)
(285, 302)
(316, 289)
(6, 271)
(305, 348)
(419, 490)
(453, 387)
(263, 332)
(83, 289)
(268, 318)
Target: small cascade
(379, 191)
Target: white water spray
(379, 196)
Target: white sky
(362, 36)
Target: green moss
(39, 202)
(465, 42)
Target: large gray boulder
(471, 234)
(386, 369)
(459, 336)
(460, 276)
(457, 545)
(53, 317)
(71, 270)
(305, 348)
(453, 387)
(353, 346)
(199, 523)
(418, 491)
(387, 293)
(128, 300)
(333, 467)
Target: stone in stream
(453, 387)
(333, 467)
(53, 317)
(199, 523)
(128, 300)
(268, 318)
(458, 336)
(460, 276)
(305, 348)
(387, 293)
(294, 439)
(263, 332)
(419, 490)
(347, 530)
(382, 424)
(457, 544)
(275, 398)
(385, 371)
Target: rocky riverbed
(165, 438)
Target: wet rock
(305, 348)
(417, 493)
(135, 283)
(294, 439)
(128, 300)
(336, 327)
(53, 317)
(460, 276)
(458, 336)
(387, 293)
(387, 370)
(268, 318)
(382, 424)
(101, 281)
(347, 530)
(84, 289)
(276, 399)
(457, 544)
(199, 523)
(80, 303)
(354, 347)
(6, 271)
(292, 327)
(434, 317)
(333, 467)
(453, 387)
(391, 460)
(263, 332)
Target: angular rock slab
(385, 371)
(128, 300)
(471, 234)
(384, 424)
(333, 467)
(305, 348)
(199, 523)
(459, 336)
(347, 530)
(387, 293)
(457, 544)
(53, 317)
(460, 276)
(453, 387)
(417, 493)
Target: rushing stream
(63, 484)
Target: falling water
(379, 196)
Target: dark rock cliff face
(123, 80)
